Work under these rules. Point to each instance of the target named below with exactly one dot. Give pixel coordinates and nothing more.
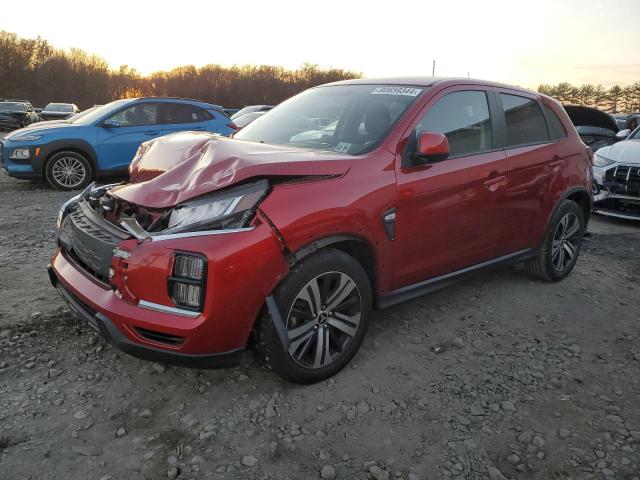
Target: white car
(616, 173)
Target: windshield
(97, 113)
(59, 107)
(344, 118)
(12, 107)
(635, 135)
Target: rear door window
(183, 113)
(525, 122)
(464, 118)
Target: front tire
(325, 304)
(561, 245)
(68, 171)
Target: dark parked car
(287, 242)
(16, 114)
(58, 111)
(251, 108)
(596, 128)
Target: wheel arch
(353, 245)
(581, 196)
(81, 147)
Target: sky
(522, 42)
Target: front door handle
(152, 132)
(495, 181)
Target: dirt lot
(538, 381)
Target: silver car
(616, 174)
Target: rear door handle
(152, 132)
(556, 162)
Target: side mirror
(110, 124)
(432, 147)
(623, 133)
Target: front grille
(89, 240)
(623, 180)
(159, 337)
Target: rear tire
(325, 304)
(561, 246)
(68, 170)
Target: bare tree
(35, 70)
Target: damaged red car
(346, 198)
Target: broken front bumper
(102, 324)
(615, 205)
(617, 191)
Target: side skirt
(433, 284)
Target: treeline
(33, 69)
(616, 99)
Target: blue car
(69, 154)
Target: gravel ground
(537, 381)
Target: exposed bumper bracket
(278, 322)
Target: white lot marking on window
(343, 147)
(407, 91)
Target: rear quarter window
(525, 122)
(556, 129)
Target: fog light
(187, 295)
(188, 279)
(19, 153)
(187, 266)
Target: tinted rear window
(556, 129)
(525, 122)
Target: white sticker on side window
(343, 147)
(407, 91)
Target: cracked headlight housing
(226, 210)
(600, 161)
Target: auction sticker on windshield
(408, 91)
(343, 147)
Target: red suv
(347, 197)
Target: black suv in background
(16, 114)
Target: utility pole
(433, 69)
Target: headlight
(600, 161)
(19, 153)
(230, 209)
(27, 138)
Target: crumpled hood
(627, 152)
(184, 165)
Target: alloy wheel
(323, 319)
(69, 172)
(566, 241)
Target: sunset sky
(520, 42)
